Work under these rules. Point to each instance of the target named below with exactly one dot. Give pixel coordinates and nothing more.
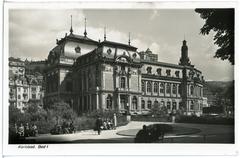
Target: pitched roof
(118, 44)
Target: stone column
(139, 104)
(118, 101)
(129, 83)
(97, 99)
(171, 88)
(165, 88)
(90, 102)
(152, 86)
(130, 102)
(82, 103)
(145, 83)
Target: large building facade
(91, 75)
(24, 88)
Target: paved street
(206, 134)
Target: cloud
(33, 33)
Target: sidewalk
(111, 136)
(87, 134)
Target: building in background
(91, 75)
(24, 88)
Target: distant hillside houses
(26, 83)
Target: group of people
(148, 136)
(26, 131)
(104, 124)
(65, 128)
(107, 124)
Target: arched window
(191, 90)
(162, 103)
(177, 74)
(174, 89)
(155, 103)
(143, 104)
(168, 88)
(149, 86)
(191, 105)
(123, 82)
(155, 88)
(161, 88)
(143, 86)
(168, 72)
(109, 102)
(159, 71)
(149, 70)
(169, 105)
(174, 105)
(134, 103)
(179, 89)
(149, 104)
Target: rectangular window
(174, 89)
(155, 88)
(169, 105)
(69, 86)
(123, 82)
(168, 88)
(33, 96)
(149, 104)
(161, 88)
(143, 104)
(34, 89)
(122, 102)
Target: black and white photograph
(121, 76)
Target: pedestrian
(27, 130)
(143, 136)
(99, 125)
(16, 128)
(21, 130)
(34, 130)
(115, 120)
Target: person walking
(27, 130)
(98, 125)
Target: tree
(62, 110)
(158, 110)
(220, 21)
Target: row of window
(123, 102)
(159, 72)
(169, 105)
(198, 91)
(159, 87)
(25, 97)
(162, 103)
(33, 89)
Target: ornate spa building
(91, 75)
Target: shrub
(205, 120)
(148, 118)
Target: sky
(33, 33)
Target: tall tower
(184, 60)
